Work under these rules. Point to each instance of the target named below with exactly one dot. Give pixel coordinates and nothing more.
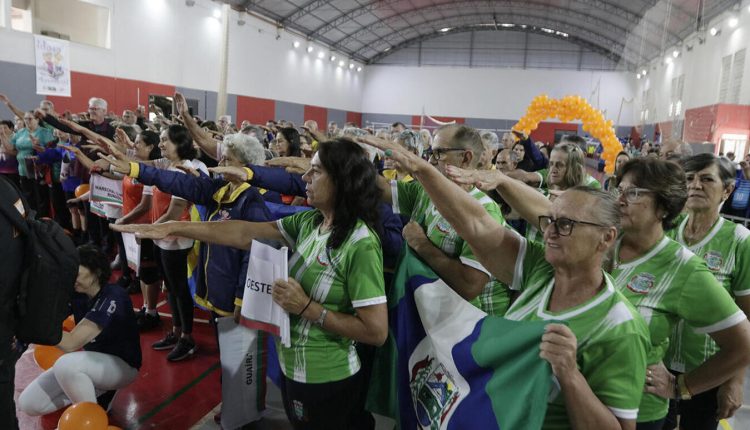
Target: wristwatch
(321, 318)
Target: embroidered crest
(641, 283)
(714, 260)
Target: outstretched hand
(405, 161)
(230, 173)
(145, 231)
(485, 180)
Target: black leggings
(37, 194)
(174, 269)
(337, 405)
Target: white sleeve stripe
(741, 293)
(730, 321)
(369, 302)
(626, 414)
(288, 238)
(518, 269)
(394, 197)
(474, 264)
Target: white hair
(245, 148)
(490, 139)
(98, 102)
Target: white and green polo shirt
(410, 199)
(342, 280)
(612, 336)
(726, 251)
(668, 284)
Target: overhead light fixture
(560, 33)
(638, 76)
(359, 69)
(351, 65)
(445, 30)
(342, 63)
(713, 31)
(332, 58)
(547, 30)
(643, 72)
(295, 44)
(507, 25)
(676, 53)
(321, 54)
(217, 13)
(668, 60)
(310, 49)
(523, 26)
(387, 49)
(733, 21)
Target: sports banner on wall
(52, 66)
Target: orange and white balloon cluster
(570, 108)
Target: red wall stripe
(355, 117)
(317, 113)
(256, 110)
(119, 93)
(545, 131)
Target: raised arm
(237, 234)
(485, 235)
(203, 138)
(13, 108)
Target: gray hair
(490, 139)
(245, 148)
(606, 211)
(352, 132)
(98, 102)
(412, 140)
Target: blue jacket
(221, 270)
(280, 180)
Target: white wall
(490, 93)
(164, 41)
(701, 67)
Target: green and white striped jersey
(612, 336)
(342, 280)
(668, 284)
(726, 251)
(410, 199)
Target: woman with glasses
(668, 283)
(599, 355)
(287, 143)
(725, 246)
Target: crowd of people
(645, 283)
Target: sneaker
(185, 348)
(169, 342)
(106, 399)
(148, 322)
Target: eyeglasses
(440, 153)
(632, 194)
(563, 226)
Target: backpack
(50, 269)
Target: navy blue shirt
(111, 310)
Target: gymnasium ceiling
(596, 34)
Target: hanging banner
(52, 66)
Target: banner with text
(52, 66)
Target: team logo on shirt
(223, 215)
(323, 258)
(443, 226)
(641, 283)
(714, 260)
(433, 391)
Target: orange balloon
(81, 190)
(69, 323)
(84, 416)
(45, 356)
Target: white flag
(259, 311)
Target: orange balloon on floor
(45, 356)
(69, 323)
(81, 190)
(84, 416)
